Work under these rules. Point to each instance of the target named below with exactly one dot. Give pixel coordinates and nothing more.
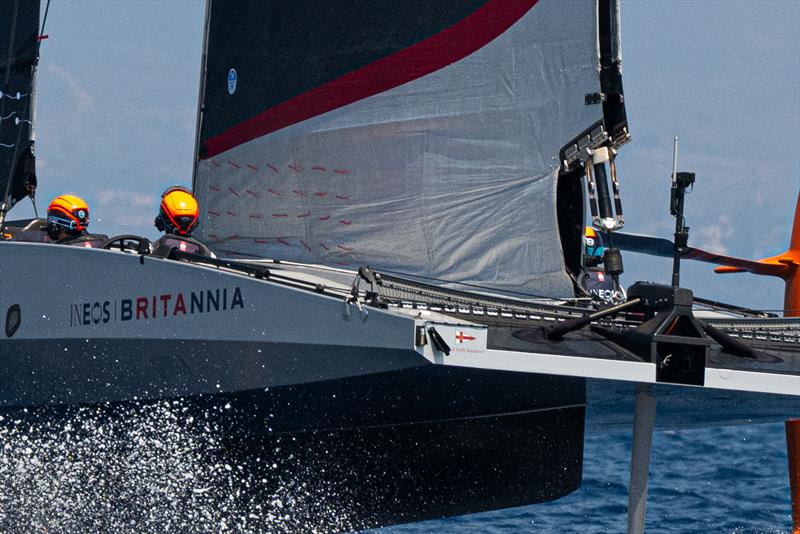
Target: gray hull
(97, 326)
(278, 367)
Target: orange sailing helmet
(68, 213)
(178, 213)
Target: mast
(201, 95)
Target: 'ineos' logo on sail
(232, 81)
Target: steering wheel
(125, 242)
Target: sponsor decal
(608, 294)
(156, 306)
(232, 79)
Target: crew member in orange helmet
(67, 221)
(593, 278)
(178, 216)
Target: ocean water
(722, 480)
(153, 469)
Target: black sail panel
(18, 50)
(282, 49)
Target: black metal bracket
(373, 296)
(670, 336)
(438, 341)
(594, 98)
(680, 183)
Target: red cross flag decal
(462, 337)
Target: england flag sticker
(463, 338)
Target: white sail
(450, 175)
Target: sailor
(67, 221)
(178, 216)
(594, 278)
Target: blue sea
(150, 471)
(722, 480)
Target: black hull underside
(376, 476)
(398, 446)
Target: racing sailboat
(397, 198)
(299, 342)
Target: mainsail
(18, 50)
(425, 138)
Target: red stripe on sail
(420, 59)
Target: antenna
(681, 181)
(673, 209)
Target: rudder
(794, 242)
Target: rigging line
(732, 307)
(577, 284)
(41, 31)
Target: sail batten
(442, 168)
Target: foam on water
(150, 468)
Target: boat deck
(510, 334)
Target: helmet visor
(75, 220)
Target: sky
(118, 101)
